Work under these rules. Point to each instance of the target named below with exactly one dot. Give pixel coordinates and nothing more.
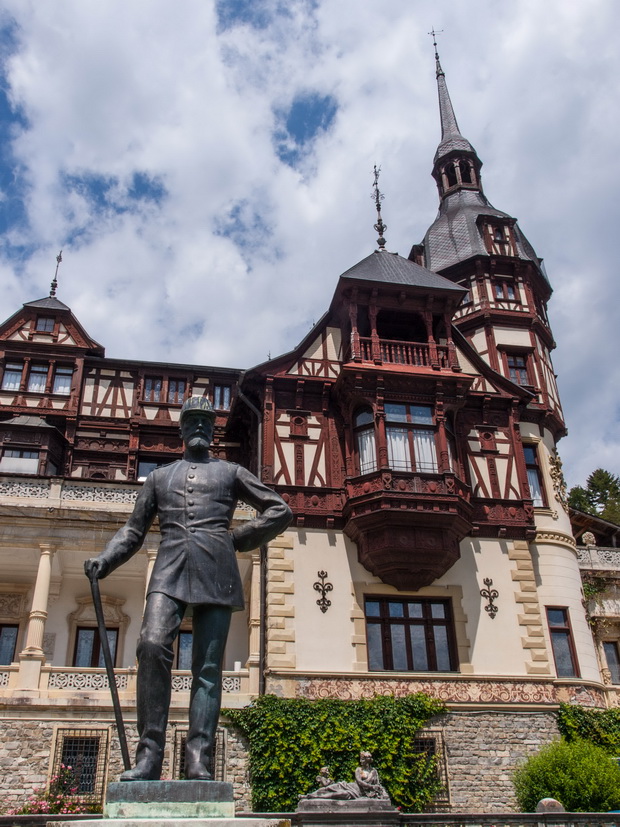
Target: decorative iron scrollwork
(491, 595)
(321, 586)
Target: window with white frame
(410, 432)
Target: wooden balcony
(409, 354)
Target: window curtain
(535, 490)
(425, 451)
(398, 449)
(367, 451)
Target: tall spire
(451, 138)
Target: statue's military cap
(197, 404)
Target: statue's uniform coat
(195, 503)
(195, 565)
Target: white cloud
(118, 88)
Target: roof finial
(54, 284)
(434, 34)
(378, 197)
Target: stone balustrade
(598, 558)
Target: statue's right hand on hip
(95, 568)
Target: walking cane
(109, 668)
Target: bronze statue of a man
(195, 499)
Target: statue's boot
(146, 769)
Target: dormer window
(45, 324)
(498, 234)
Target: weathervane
(378, 197)
(54, 284)
(434, 34)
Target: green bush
(579, 774)
(290, 739)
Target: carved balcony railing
(58, 680)
(395, 352)
(598, 558)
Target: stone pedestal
(171, 804)
(169, 799)
(321, 812)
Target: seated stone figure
(366, 784)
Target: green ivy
(290, 739)
(600, 726)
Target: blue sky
(208, 173)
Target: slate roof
(48, 303)
(390, 268)
(455, 236)
(451, 138)
(28, 422)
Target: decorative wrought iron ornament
(321, 586)
(490, 595)
(377, 196)
(54, 284)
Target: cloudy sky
(206, 166)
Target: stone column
(254, 621)
(151, 554)
(31, 658)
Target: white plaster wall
(512, 336)
(324, 640)
(495, 644)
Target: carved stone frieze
(452, 691)
(555, 537)
(11, 605)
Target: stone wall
(482, 751)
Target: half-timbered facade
(413, 432)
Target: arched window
(450, 173)
(465, 170)
(364, 427)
